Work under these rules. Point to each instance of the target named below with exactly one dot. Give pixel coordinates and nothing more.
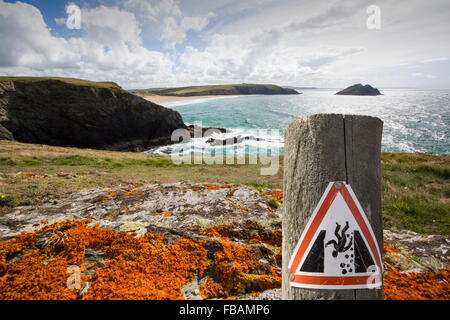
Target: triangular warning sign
(337, 249)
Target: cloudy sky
(155, 43)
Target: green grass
(259, 185)
(8, 201)
(74, 81)
(94, 169)
(416, 192)
(273, 203)
(84, 161)
(415, 187)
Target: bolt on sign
(337, 249)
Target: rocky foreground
(178, 241)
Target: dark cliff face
(360, 90)
(57, 113)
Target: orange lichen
(233, 264)
(255, 239)
(264, 282)
(250, 231)
(136, 268)
(34, 273)
(101, 201)
(277, 195)
(400, 285)
(145, 268)
(26, 175)
(219, 231)
(389, 249)
(211, 289)
(168, 214)
(273, 238)
(211, 187)
(112, 194)
(133, 188)
(142, 270)
(126, 194)
(417, 285)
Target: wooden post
(319, 149)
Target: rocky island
(360, 90)
(83, 114)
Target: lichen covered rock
(174, 241)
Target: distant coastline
(216, 90)
(166, 99)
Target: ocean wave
(414, 120)
(258, 142)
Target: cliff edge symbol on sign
(337, 249)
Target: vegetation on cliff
(74, 81)
(227, 89)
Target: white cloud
(26, 41)
(288, 42)
(425, 75)
(110, 49)
(262, 55)
(167, 17)
(435, 60)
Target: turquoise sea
(414, 120)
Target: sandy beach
(163, 99)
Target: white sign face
(337, 249)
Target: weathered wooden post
(320, 149)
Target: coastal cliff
(82, 114)
(230, 89)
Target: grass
(74, 81)
(46, 167)
(198, 90)
(416, 192)
(415, 188)
(273, 203)
(8, 201)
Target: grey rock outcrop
(58, 113)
